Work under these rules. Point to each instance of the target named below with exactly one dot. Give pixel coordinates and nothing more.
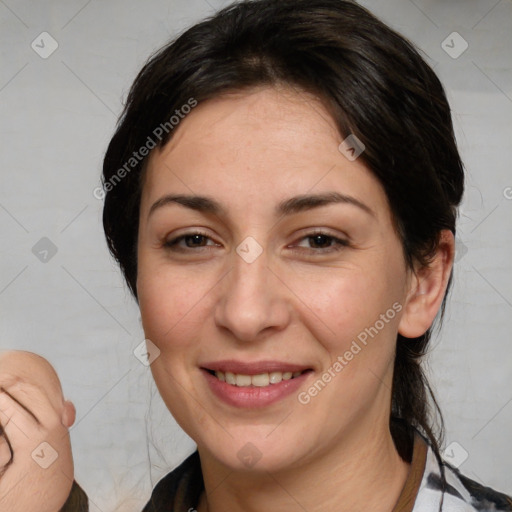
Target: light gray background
(57, 115)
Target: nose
(253, 299)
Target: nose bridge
(252, 298)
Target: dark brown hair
(375, 85)
(77, 500)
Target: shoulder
(477, 496)
(445, 488)
(180, 489)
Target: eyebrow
(290, 206)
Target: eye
(315, 242)
(320, 242)
(196, 239)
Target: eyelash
(172, 244)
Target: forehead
(263, 144)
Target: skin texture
(33, 411)
(300, 301)
(296, 302)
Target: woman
(281, 196)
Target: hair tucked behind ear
(375, 85)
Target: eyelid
(306, 232)
(172, 242)
(338, 242)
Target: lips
(259, 374)
(254, 385)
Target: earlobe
(427, 289)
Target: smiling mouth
(259, 380)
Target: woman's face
(269, 274)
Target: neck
(363, 473)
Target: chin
(256, 453)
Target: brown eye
(319, 242)
(194, 240)
(189, 241)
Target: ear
(427, 287)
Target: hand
(36, 465)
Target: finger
(34, 400)
(6, 451)
(12, 392)
(18, 424)
(27, 367)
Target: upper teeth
(260, 380)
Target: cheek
(345, 302)
(360, 304)
(172, 312)
(166, 304)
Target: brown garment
(405, 502)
